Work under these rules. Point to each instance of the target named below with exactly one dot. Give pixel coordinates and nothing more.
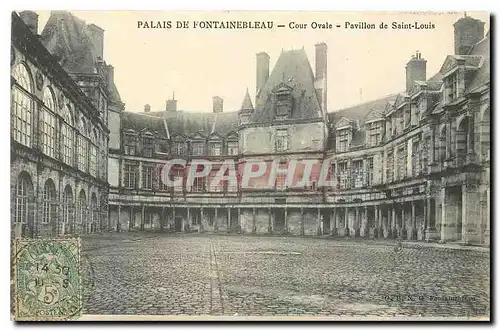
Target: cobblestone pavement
(161, 274)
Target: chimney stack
(262, 71)
(218, 104)
(468, 31)
(111, 75)
(147, 108)
(416, 69)
(97, 39)
(171, 104)
(30, 18)
(320, 83)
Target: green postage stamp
(47, 279)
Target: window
(369, 169)
(67, 143)
(177, 173)
(215, 149)
(48, 132)
(130, 144)
(179, 148)
(199, 184)
(103, 165)
(49, 201)
(147, 176)
(415, 159)
(281, 178)
(375, 133)
(93, 160)
(82, 153)
(130, 175)
(390, 166)
(198, 148)
(452, 87)
(357, 173)
(401, 162)
(95, 213)
(82, 209)
(67, 205)
(281, 140)
(24, 189)
(232, 148)
(343, 175)
(22, 105)
(148, 146)
(161, 185)
(342, 140)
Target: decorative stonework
(39, 80)
(60, 100)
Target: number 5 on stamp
(47, 279)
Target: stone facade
(59, 138)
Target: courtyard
(190, 274)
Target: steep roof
(140, 121)
(293, 69)
(67, 38)
(482, 75)
(247, 102)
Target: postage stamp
(47, 279)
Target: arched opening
(68, 211)
(22, 105)
(461, 141)
(485, 135)
(49, 205)
(442, 144)
(23, 212)
(95, 213)
(82, 211)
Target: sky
(363, 65)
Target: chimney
(415, 70)
(30, 18)
(171, 104)
(262, 71)
(111, 75)
(468, 31)
(320, 83)
(97, 39)
(147, 108)
(218, 104)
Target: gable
(449, 63)
(343, 123)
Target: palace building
(61, 94)
(412, 165)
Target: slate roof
(293, 69)
(67, 38)
(482, 75)
(142, 122)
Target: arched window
(485, 136)
(461, 138)
(48, 123)
(23, 195)
(68, 206)
(82, 210)
(95, 213)
(67, 136)
(82, 146)
(442, 144)
(49, 201)
(22, 105)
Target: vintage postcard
(226, 165)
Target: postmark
(47, 279)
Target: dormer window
(179, 148)
(198, 148)
(232, 148)
(374, 133)
(148, 146)
(343, 139)
(452, 87)
(130, 143)
(283, 101)
(215, 148)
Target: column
(448, 140)
(131, 222)
(432, 159)
(356, 223)
(389, 222)
(254, 228)
(118, 225)
(364, 225)
(376, 222)
(142, 218)
(238, 229)
(413, 222)
(216, 226)
(333, 222)
(402, 229)
(286, 221)
(173, 218)
(202, 220)
(318, 222)
(228, 221)
(187, 226)
(471, 214)
(301, 221)
(393, 222)
(487, 231)
(347, 229)
(269, 224)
